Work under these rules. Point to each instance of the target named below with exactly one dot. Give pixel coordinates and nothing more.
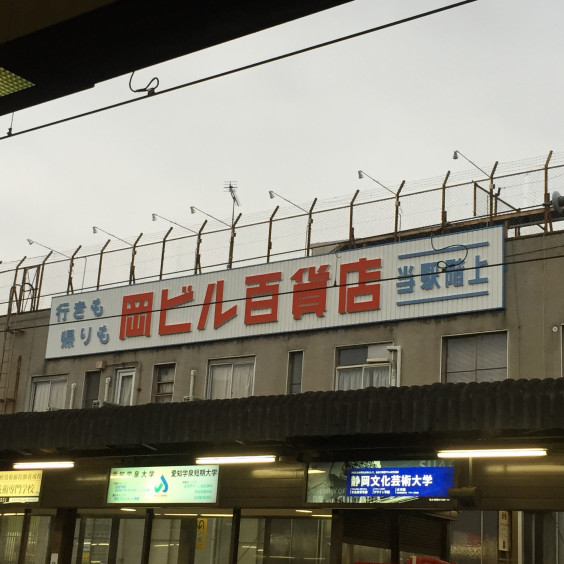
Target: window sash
(363, 376)
(164, 375)
(124, 387)
(231, 378)
(49, 393)
(476, 358)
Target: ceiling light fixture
(254, 459)
(45, 465)
(491, 452)
(10, 82)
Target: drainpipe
(192, 379)
(73, 390)
(395, 379)
(107, 389)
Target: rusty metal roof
(414, 420)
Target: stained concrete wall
(533, 318)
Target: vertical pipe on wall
(73, 391)
(107, 389)
(192, 379)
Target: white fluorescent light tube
(43, 465)
(491, 453)
(262, 458)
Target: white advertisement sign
(442, 275)
(20, 486)
(163, 484)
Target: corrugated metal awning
(413, 419)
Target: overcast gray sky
(485, 78)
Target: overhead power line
(240, 299)
(240, 69)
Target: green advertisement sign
(163, 485)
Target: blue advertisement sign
(400, 482)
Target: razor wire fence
(516, 196)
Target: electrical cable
(149, 89)
(243, 68)
(503, 264)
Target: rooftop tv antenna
(231, 187)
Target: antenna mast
(231, 187)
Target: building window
(363, 366)
(295, 369)
(91, 388)
(476, 358)
(124, 385)
(231, 377)
(163, 382)
(48, 393)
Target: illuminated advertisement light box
(417, 484)
(163, 484)
(400, 482)
(20, 486)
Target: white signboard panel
(163, 484)
(445, 275)
(20, 486)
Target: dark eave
(127, 35)
(408, 421)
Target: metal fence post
(269, 246)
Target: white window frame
(444, 353)
(156, 383)
(50, 379)
(232, 361)
(120, 374)
(375, 357)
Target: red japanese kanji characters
(310, 296)
(167, 303)
(219, 316)
(262, 309)
(365, 287)
(136, 315)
